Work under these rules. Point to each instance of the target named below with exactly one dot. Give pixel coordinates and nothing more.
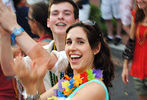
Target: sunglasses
(88, 22)
(93, 24)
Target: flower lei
(67, 85)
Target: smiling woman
(90, 67)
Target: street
(120, 91)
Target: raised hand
(30, 78)
(7, 18)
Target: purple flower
(60, 85)
(55, 92)
(98, 73)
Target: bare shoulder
(91, 91)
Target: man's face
(61, 17)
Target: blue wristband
(16, 32)
(13, 41)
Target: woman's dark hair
(75, 7)
(139, 15)
(40, 14)
(102, 60)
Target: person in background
(37, 19)
(110, 9)
(84, 9)
(62, 13)
(126, 6)
(93, 71)
(8, 88)
(21, 10)
(31, 2)
(136, 50)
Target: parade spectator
(91, 70)
(21, 10)
(37, 19)
(126, 6)
(8, 88)
(62, 13)
(136, 50)
(84, 9)
(110, 9)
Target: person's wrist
(13, 28)
(31, 90)
(30, 96)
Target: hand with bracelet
(26, 43)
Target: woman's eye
(80, 42)
(68, 42)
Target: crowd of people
(54, 64)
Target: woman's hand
(125, 72)
(30, 78)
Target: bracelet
(31, 97)
(129, 50)
(16, 32)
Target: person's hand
(17, 51)
(30, 78)
(7, 18)
(125, 73)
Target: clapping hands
(30, 78)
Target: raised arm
(6, 53)
(26, 43)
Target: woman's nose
(73, 46)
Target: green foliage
(95, 14)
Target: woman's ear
(97, 50)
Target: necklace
(141, 41)
(67, 85)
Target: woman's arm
(91, 91)
(132, 29)
(125, 72)
(128, 53)
(48, 93)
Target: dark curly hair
(102, 60)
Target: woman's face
(78, 50)
(142, 4)
(31, 21)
